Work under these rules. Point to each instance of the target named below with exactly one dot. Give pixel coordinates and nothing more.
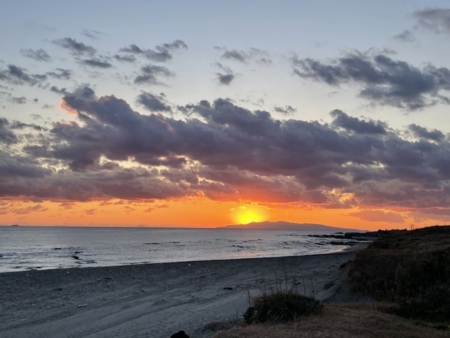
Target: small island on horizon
(282, 225)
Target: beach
(156, 300)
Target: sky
(209, 113)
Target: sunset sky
(208, 113)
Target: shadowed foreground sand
(153, 300)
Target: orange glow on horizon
(198, 212)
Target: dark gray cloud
(287, 110)
(21, 125)
(154, 103)
(60, 74)
(252, 54)
(96, 63)
(36, 54)
(132, 49)
(125, 58)
(225, 79)
(12, 167)
(384, 81)
(226, 76)
(62, 91)
(235, 55)
(150, 74)
(356, 125)
(175, 45)
(226, 152)
(6, 135)
(83, 92)
(20, 177)
(20, 76)
(75, 47)
(421, 132)
(161, 53)
(435, 19)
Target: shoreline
(154, 300)
(350, 248)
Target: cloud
(92, 34)
(60, 74)
(61, 91)
(356, 125)
(96, 63)
(21, 125)
(6, 135)
(19, 100)
(156, 207)
(434, 19)
(384, 81)
(19, 76)
(227, 76)
(125, 58)
(151, 73)
(13, 168)
(18, 177)
(434, 135)
(28, 210)
(153, 103)
(36, 54)
(177, 44)
(225, 152)
(132, 49)
(225, 79)
(405, 36)
(287, 110)
(161, 53)
(253, 54)
(75, 47)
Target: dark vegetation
(281, 306)
(340, 320)
(407, 271)
(410, 269)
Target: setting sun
(248, 214)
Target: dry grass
(410, 268)
(340, 320)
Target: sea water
(27, 248)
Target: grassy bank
(407, 272)
(340, 321)
(410, 269)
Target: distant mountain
(285, 226)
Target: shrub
(281, 306)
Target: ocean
(28, 248)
